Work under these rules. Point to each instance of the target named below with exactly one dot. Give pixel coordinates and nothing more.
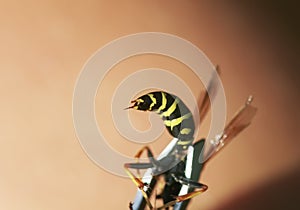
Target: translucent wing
(238, 123)
(209, 94)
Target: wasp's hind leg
(138, 165)
(198, 189)
(149, 155)
(138, 181)
(140, 152)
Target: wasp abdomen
(177, 117)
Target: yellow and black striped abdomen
(177, 117)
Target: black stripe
(158, 97)
(170, 99)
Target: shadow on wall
(280, 193)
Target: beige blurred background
(45, 44)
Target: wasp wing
(209, 94)
(237, 124)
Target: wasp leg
(138, 181)
(139, 154)
(187, 196)
(200, 188)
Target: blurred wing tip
(249, 100)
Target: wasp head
(140, 104)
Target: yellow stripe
(163, 102)
(153, 101)
(185, 131)
(171, 109)
(184, 142)
(177, 121)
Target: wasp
(182, 161)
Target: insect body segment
(177, 117)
